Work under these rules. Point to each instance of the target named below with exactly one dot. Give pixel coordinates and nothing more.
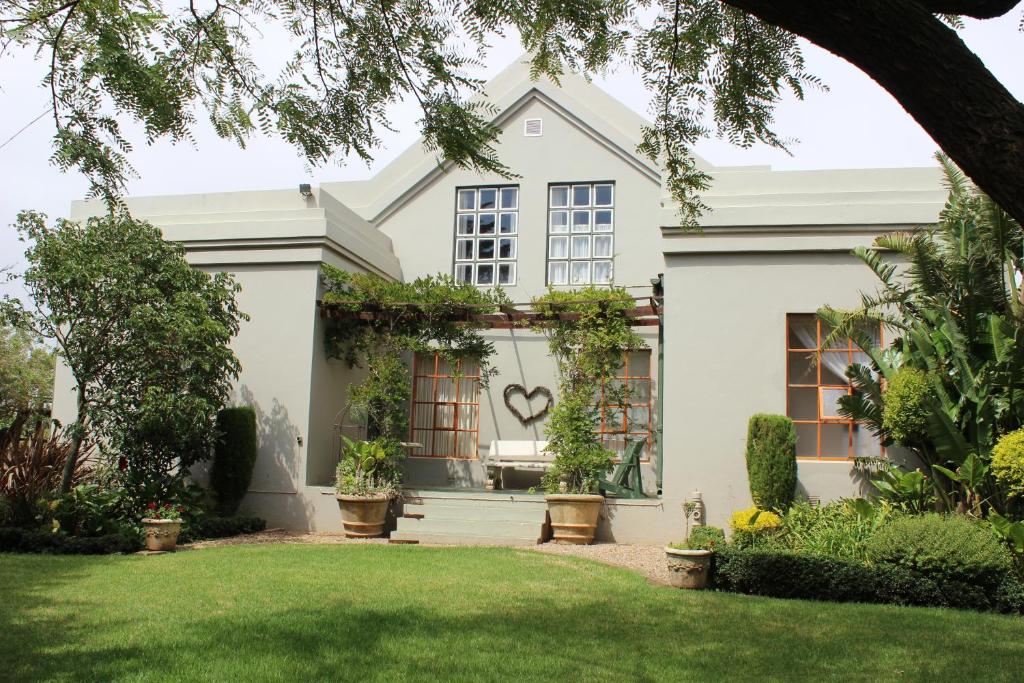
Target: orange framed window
(815, 381)
(631, 420)
(445, 407)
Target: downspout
(658, 285)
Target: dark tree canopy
(715, 67)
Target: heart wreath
(513, 389)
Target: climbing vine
(588, 346)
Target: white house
(739, 337)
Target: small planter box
(688, 568)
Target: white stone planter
(688, 568)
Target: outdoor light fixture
(305, 190)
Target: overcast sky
(854, 125)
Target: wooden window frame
(434, 375)
(821, 420)
(626, 432)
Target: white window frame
(468, 213)
(557, 274)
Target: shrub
(220, 527)
(88, 510)
(905, 405)
(771, 461)
(234, 457)
(18, 540)
(839, 529)
(706, 538)
(753, 526)
(963, 558)
(31, 467)
(1008, 462)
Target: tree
(714, 66)
(26, 374)
(144, 334)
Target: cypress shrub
(234, 458)
(771, 461)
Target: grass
(387, 613)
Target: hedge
(220, 527)
(19, 540)
(234, 457)
(781, 574)
(771, 461)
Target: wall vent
(814, 501)
(533, 128)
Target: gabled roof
(611, 123)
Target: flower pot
(688, 568)
(161, 534)
(363, 516)
(574, 517)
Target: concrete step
(457, 539)
(508, 512)
(460, 527)
(473, 498)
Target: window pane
(802, 369)
(602, 246)
(803, 403)
(807, 440)
(835, 440)
(558, 273)
(559, 221)
(509, 197)
(466, 222)
(488, 199)
(873, 331)
(581, 246)
(558, 247)
(640, 364)
(560, 196)
(580, 272)
(830, 402)
(603, 220)
(803, 331)
(485, 249)
(581, 221)
(487, 223)
(467, 200)
(837, 343)
(464, 250)
(602, 195)
(507, 248)
(464, 272)
(581, 195)
(833, 367)
(485, 274)
(506, 273)
(507, 223)
(602, 272)
(865, 444)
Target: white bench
(515, 455)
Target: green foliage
(1008, 463)
(367, 468)
(234, 457)
(959, 325)
(960, 555)
(906, 490)
(89, 510)
(839, 529)
(26, 374)
(906, 405)
(706, 538)
(220, 527)
(19, 540)
(164, 511)
(145, 335)
(588, 351)
(771, 461)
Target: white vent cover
(533, 128)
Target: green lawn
(389, 613)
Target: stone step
(473, 499)
(459, 539)
(509, 512)
(460, 527)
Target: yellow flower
(743, 520)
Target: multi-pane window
(445, 407)
(581, 231)
(486, 235)
(626, 403)
(815, 381)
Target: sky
(856, 124)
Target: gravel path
(648, 560)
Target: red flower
(181, 508)
(151, 506)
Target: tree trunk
(930, 71)
(76, 443)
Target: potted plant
(161, 525)
(367, 482)
(689, 563)
(572, 483)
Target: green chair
(626, 481)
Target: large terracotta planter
(574, 517)
(161, 534)
(363, 516)
(688, 568)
